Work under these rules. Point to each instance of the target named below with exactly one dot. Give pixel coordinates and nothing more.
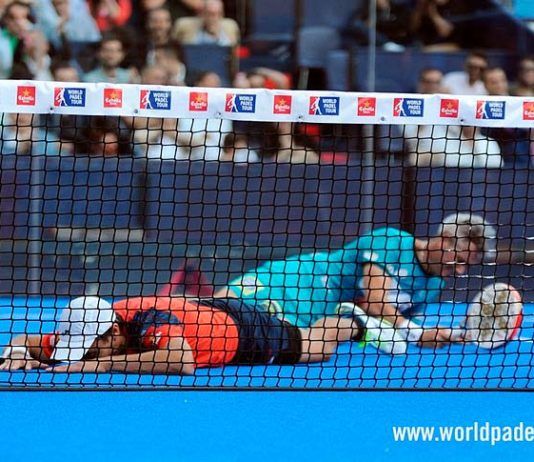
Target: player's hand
(84, 366)
(436, 338)
(16, 364)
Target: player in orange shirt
(173, 335)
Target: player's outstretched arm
(175, 359)
(24, 352)
(376, 284)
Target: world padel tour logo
(366, 107)
(282, 104)
(449, 108)
(491, 110)
(25, 96)
(155, 99)
(408, 107)
(198, 101)
(240, 103)
(112, 97)
(528, 110)
(324, 105)
(69, 97)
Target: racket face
(494, 316)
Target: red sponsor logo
(366, 106)
(449, 108)
(528, 110)
(198, 101)
(112, 97)
(26, 96)
(282, 104)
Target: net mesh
(289, 217)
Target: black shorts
(263, 338)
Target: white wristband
(19, 351)
(410, 331)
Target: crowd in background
(128, 41)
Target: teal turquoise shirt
(305, 288)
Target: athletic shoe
(378, 332)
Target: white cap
(81, 323)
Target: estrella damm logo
(25, 95)
(491, 110)
(528, 110)
(112, 98)
(366, 106)
(408, 107)
(69, 97)
(449, 108)
(198, 101)
(324, 105)
(155, 99)
(282, 104)
(240, 103)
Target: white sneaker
(378, 332)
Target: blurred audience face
(475, 67)
(111, 53)
(154, 75)
(209, 80)
(17, 19)
(147, 5)
(526, 72)
(212, 14)
(35, 44)
(66, 74)
(159, 24)
(496, 82)
(168, 60)
(430, 82)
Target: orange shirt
(212, 334)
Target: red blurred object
(190, 280)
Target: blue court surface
(339, 410)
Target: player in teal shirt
(386, 272)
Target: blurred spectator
(22, 134)
(169, 58)
(291, 149)
(447, 146)
(110, 56)
(468, 82)
(208, 27)
(202, 139)
(64, 71)
(154, 75)
(391, 24)
(66, 21)
(158, 29)
(35, 55)
(67, 127)
(262, 77)
(236, 149)
(106, 137)
(432, 23)
(496, 82)
(430, 81)
(17, 21)
(461, 147)
(525, 78)
(151, 133)
(514, 142)
(110, 13)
